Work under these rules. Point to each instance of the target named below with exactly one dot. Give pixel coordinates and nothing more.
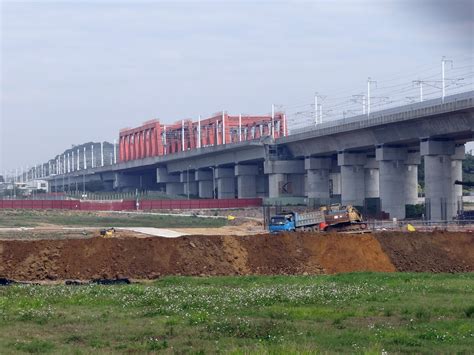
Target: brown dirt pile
(429, 252)
(148, 258)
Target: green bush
(414, 211)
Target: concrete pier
(371, 176)
(285, 177)
(246, 180)
(318, 177)
(456, 174)
(411, 178)
(225, 182)
(335, 183)
(173, 183)
(205, 183)
(352, 177)
(189, 183)
(392, 180)
(439, 186)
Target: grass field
(352, 313)
(32, 218)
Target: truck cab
(281, 223)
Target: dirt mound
(293, 253)
(430, 252)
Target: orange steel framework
(155, 139)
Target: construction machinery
(464, 183)
(294, 221)
(343, 218)
(328, 218)
(107, 233)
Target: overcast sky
(76, 71)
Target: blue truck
(294, 221)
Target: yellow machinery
(341, 218)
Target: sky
(79, 71)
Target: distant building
(37, 185)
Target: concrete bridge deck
(355, 158)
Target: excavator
(342, 218)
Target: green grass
(351, 313)
(31, 218)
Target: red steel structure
(155, 139)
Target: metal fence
(421, 225)
(130, 204)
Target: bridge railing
(433, 106)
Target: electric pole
(369, 82)
(420, 85)
(443, 78)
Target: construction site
(63, 246)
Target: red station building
(155, 139)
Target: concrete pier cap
(437, 147)
(245, 170)
(351, 158)
(317, 163)
(384, 153)
(162, 176)
(203, 175)
(284, 167)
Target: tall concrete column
(439, 188)
(352, 177)
(276, 183)
(456, 174)
(173, 183)
(225, 182)
(189, 183)
(335, 182)
(392, 180)
(411, 177)
(205, 183)
(318, 177)
(246, 180)
(262, 185)
(285, 177)
(297, 184)
(371, 176)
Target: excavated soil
(293, 253)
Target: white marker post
(273, 121)
(164, 140)
(223, 127)
(101, 153)
(182, 135)
(199, 132)
(316, 119)
(115, 151)
(240, 127)
(92, 156)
